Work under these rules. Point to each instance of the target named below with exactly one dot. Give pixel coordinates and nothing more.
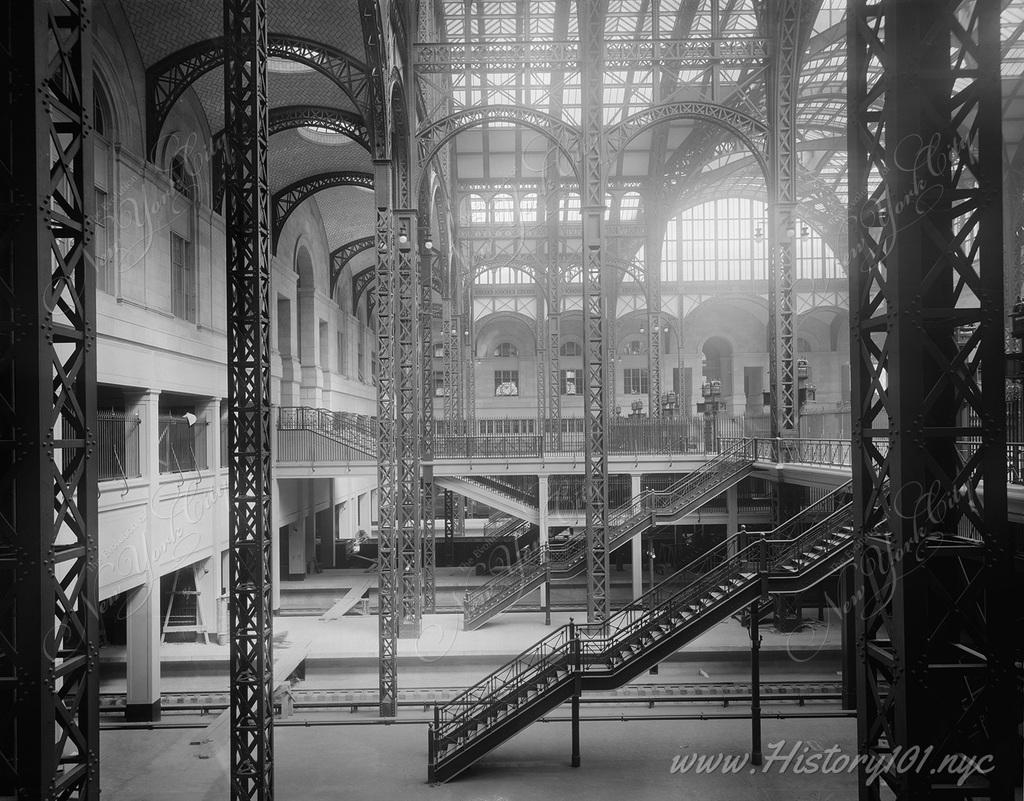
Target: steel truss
(936, 601)
(168, 79)
(286, 200)
(340, 257)
(49, 690)
(782, 92)
(387, 466)
(652, 254)
(595, 311)
(427, 272)
(408, 361)
(247, 220)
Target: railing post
(432, 746)
(546, 556)
(576, 686)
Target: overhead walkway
(578, 658)
(649, 509)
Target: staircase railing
(355, 431)
(734, 455)
(549, 654)
(503, 488)
(505, 586)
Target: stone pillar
(142, 658)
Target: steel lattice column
(49, 693)
(387, 470)
(553, 296)
(408, 360)
(426, 265)
(247, 225)
(783, 75)
(935, 587)
(449, 524)
(655, 237)
(595, 311)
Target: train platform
(347, 646)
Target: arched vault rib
(291, 197)
(168, 79)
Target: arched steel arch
(564, 135)
(288, 199)
(362, 281)
(167, 80)
(342, 256)
(750, 130)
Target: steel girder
(782, 91)
(289, 198)
(49, 693)
(426, 382)
(935, 595)
(168, 79)
(408, 360)
(552, 282)
(652, 255)
(340, 257)
(249, 476)
(387, 469)
(331, 119)
(595, 313)
(620, 54)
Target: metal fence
(182, 447)
(118, 439)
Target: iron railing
(118, 440)
(600, 647)
(182, 447)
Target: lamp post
(671, 402)
(711, 391)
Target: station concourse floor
(347, 755)
(619, 761)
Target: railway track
(649, 694)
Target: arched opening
(716, 364)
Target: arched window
(506, 350)
(502, 209)
(528, 207)
(814, 259)
(477, 209)
(569, 208)
(181, 178)
(721, 240)
(629, 208)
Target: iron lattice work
(427, 272)
(387, 470)
(292, 196)
(595, 412)
(553, 276)
(935, 578)
(247, 224)
(335, 120)
(361, 282)
(782, 93)
(49, 689)
(168, 79)
(407, 363)
(652, 254)
(340, 257)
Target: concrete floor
(619, 760)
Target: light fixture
(455, 331)
(190, 418)
(429, 244)
(805, 231)
(759, 234)
(403, 236)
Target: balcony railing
(182, 447)
(118, 451)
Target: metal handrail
(596, 644)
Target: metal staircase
(601, 656)
(495, 493)
(654, 507)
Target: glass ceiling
(553, 86)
